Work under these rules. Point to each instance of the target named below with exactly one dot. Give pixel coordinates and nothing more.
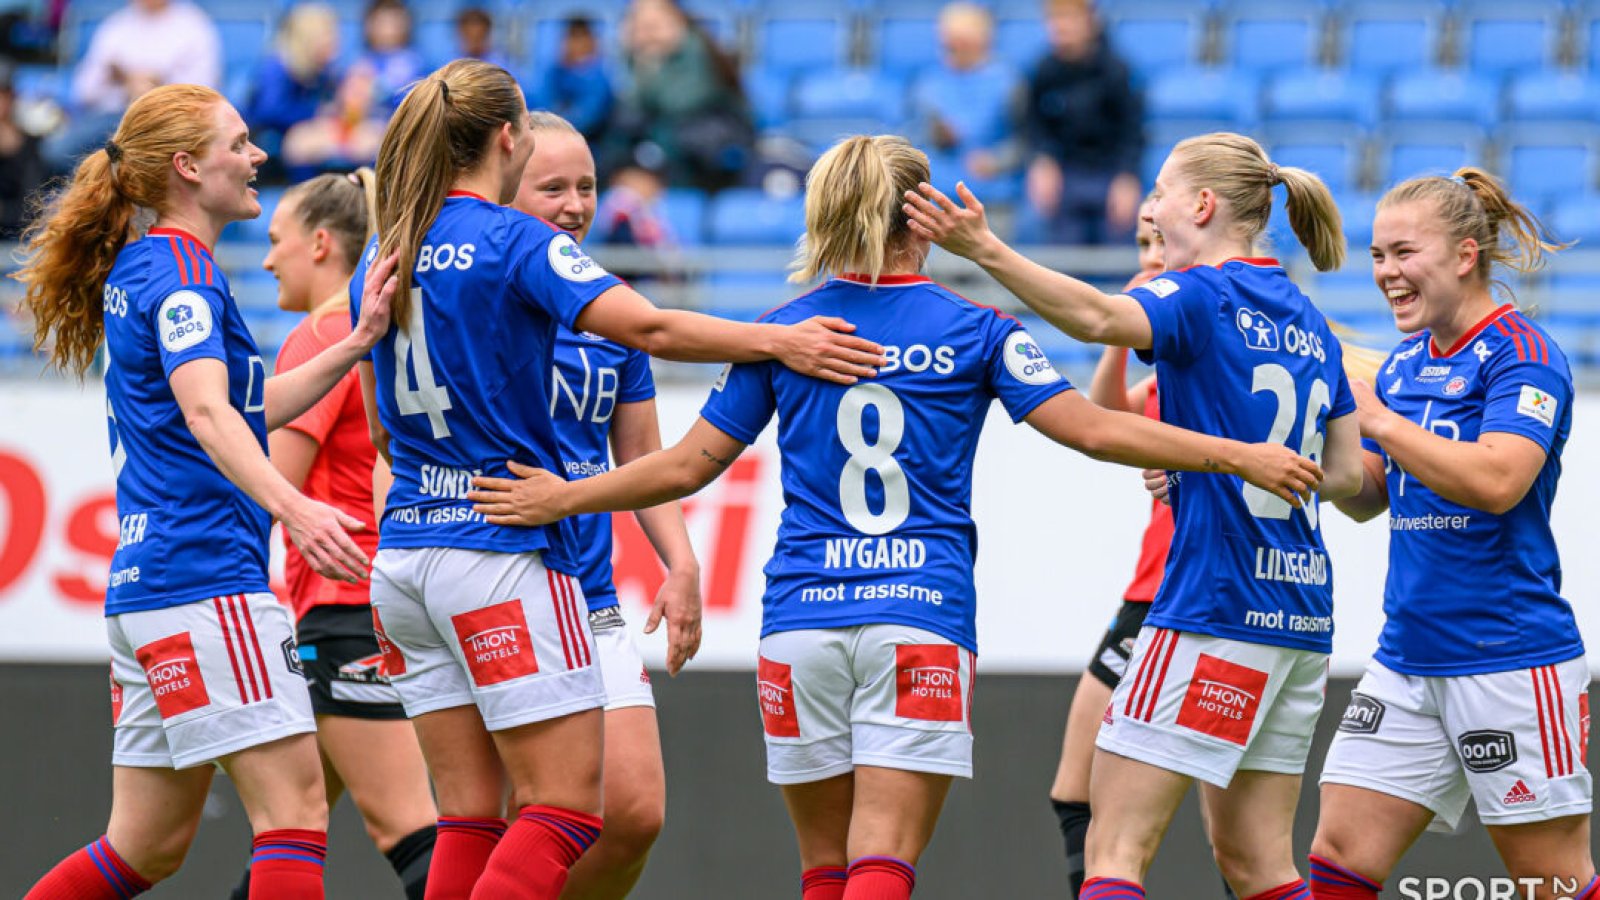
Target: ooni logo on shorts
(184, 319)
(928, 682)
(775, 688)
(570, 262)
(1362, 716)
(1223, 698)
(1026, 362)
(1487, 751)
(173, 671)
(495, 641)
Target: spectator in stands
(141, 46)
(968, 104)
(344, 134)
(392, 62)
(475, 37)
(1084, 127)
(683, 107)
(21, 166)
(575, 85)
(297, 79)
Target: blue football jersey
(463, 389)
(592, 375)
(187, 533)
(1470, 591)
(877, 477)
(1241, 353)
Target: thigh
(1251, 825)
(1133, 803)
(468, 777)
(895, 812)
(280, 784)
(556, 762)
(1366, 830)
(380, 763)
(1088, 709)
(1556, 850)
(912, 709)
(635, 780)
(820, 811)
(805, 688)
(155, 812)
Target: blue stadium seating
(1356, 212)
(1332, 150)
(1020, 41)
(1264, 39)
(1439, 94)
(1577, 218)
(1157, 35)
(1549, 160)
(1430, 148)
(685, 212)
(828, 105)
(746, 216)
(744, 295)
(1390, 35)
(1226, 97)
(1322, 95)
(769, 93)
(802, 44)
(1553, 95)
(435, 39)
(906, 45)
(1500, 38)
(544, 38)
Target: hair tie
(444, 89)
(1274, 177)
(113, 151)
(355, 178)
(1459, 180)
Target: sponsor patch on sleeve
(1026, 362)
(183, 320)
(722, 378)
(570, 262)
(1537, 404)
(1161, 287)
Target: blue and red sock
(823, 883)
(94, 873)
(880, 878)
(1110, 889)
(287, 864)
(1294, 890)
(1331, 881)
(532, 860)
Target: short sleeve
(357, 280)
(299, 347)
(1525, 397)
(554, 274)
(1018, 373)
(1343, 402)
(1182, 310)
(637, 382)
(188, 324)
(742, 401)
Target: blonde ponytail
(853, 218)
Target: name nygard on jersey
(1470, 591)
(592, 375)
(186, 532)
(877, 477)
(465, 387)
(1241, 353)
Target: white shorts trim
(1208, 707)
(495, 630)
(622, 667)
(197, 682)
(883, 695)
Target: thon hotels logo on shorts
(928, 682)
(496, 643)
(173, 671)
(184, 320)
(394, 662)
(1487, 751)
(1026, 362)
(1223, 699)
(116, 698)
(775, 687)
(570, 262)
(1260, 332)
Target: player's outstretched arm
(1070, 419)
(201, 389)
(537, 497)
(1074, 306)
(297, 390)
(636, 433)
(1492, 473)
(1373, 498)
(821, 347)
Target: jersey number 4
(429, 398)
(1277, 380)
(876, 457)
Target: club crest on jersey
(1260, 332)
(184, 320)
(570, 262)
(1162, 287)
(1537, 404)
(1026, 362)
(1455, 386)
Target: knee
(631, 827)
(163, 857)
(1236, 863)
(1123, 853)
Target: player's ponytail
(853, 218)
(74, 242)
(440, 131)
(1242, 176)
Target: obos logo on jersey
(928, 683)
(1260, 332)
(570, 262)
(775, 687)
(1223, 699)
(496, 642)
(171, 667)
(1026, 362)
(184, 320)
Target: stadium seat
(1429, 148)
(1546, 161)
(1270, 38)
(256, 229)
(1553, 95)
(1498, 38)
(1448, 95)
(906, 45)
(244, 40)
(1356, 212)
(685, 212)
(801, 44)
(435, 39)
(1322, 95)
(1155, 36)
(1577, 218)
(830, 104)
(1332, 150)
(1020, 41)
(768, 93)
(1383, 36)
(746, 216)
(1219, 95)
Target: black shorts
(344, 665)
(1116, 648)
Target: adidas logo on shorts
(1519, 793)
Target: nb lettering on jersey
(594, 398)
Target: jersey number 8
(877, 457)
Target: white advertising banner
(1058, 536)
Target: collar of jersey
(178, 233)
(885, 280)
(466, 194)
(1472, 333)
(1265, 262)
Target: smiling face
(559, 182)
(1152, 257)
(225, 168)
(1170, 212)
(1421, 271)
(291, 259)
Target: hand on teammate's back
(318, 530)
(1281, 471)
(823, 347)
(377, 293)
(532, 498)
